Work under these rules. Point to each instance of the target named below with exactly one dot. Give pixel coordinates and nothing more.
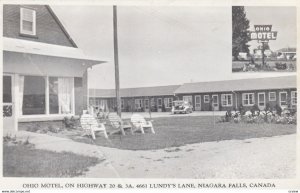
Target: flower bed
(277, 117)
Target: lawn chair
(140, 123)
(90, 125)
(117, 123)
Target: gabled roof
(61, 25)
(283, 82)
(135, 92)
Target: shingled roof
(135, 92)
(283, 82)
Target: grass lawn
(25, 161)
(178, 131)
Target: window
(37, 100)
(27, 21)
(206, 98)
(34, 95)
(272, 96)
(7, 96)
(248, 99)
(226, 99)
(53, 95)
(159, 102)
(294, 97)
(168, 102)
(188, 99)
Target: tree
(240, 26)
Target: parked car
(181, 107)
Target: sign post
(263, 33)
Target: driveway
(266, 158)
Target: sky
(282, 19)
(157, 45)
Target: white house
(44, 72)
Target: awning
(31, 47)
(35, 58)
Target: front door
(146, 105)
(9, 124)
(198, 102)
(261, 101)
(283, 99)
(215, 102)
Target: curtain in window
(21, 94)
(65, 89)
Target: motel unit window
(294, 97)
(226, 100)
(27, 21)
(248, 99)
(168, 102)
(206, 98)
(272, 96)
(46, 95)
(159, 102)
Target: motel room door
(9, 122)
(146, 105)
(283, 99)
(215, 102)
(261, 100)
(198, 102)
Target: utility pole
(263, 53)
(116, 58)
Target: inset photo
(264, 39)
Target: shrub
(278, 110)
(53, 129)
(69, 122)
(254, 108)
(241, 109)
(280, 66)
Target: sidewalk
(58, 144)
(273, 157)
(266, 158)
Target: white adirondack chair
(117, 123)
(90, 125)
(140, 123)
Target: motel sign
(263, 33)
